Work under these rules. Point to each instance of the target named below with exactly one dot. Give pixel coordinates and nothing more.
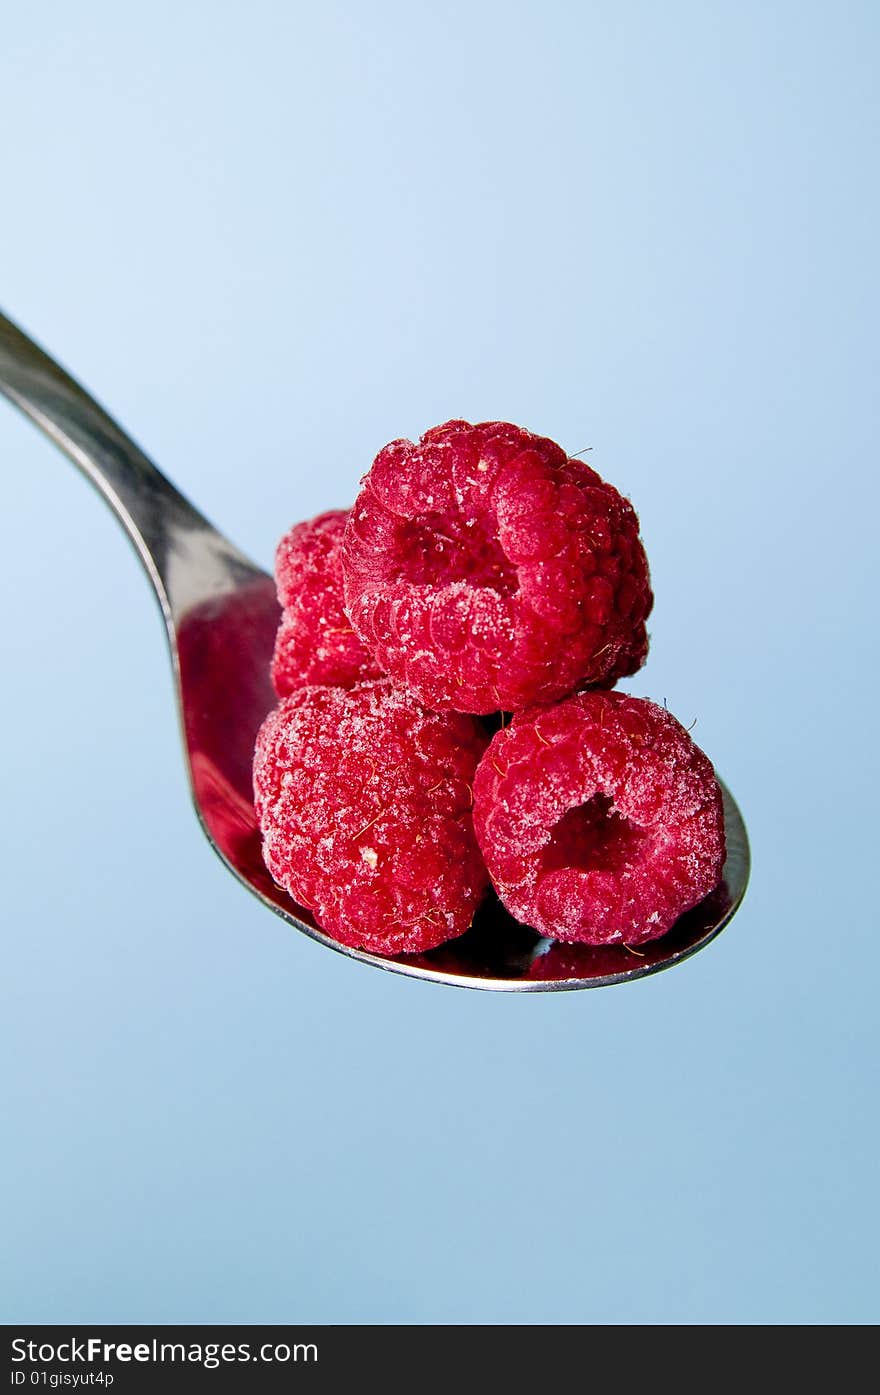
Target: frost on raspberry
(600, 820)
(315, 641)
(364, 800)
(487, 570)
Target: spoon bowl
(221, 615)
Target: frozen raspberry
(487, 570)
(364, 802)
(315, 641)
(600, 820)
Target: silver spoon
(220, 615)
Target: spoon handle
(186, 559)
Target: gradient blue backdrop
(271, 237)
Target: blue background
(271, 237)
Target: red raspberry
(600, 820)
(364, 802)
(315, 642)
(485, 569)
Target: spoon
(221, 614)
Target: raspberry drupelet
(315, 641)
(600, 820)
(364, 799)
(487, 570)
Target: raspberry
(364, 802)
(600, 820)
(487, 570)
(315, 642)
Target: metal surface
(220, 615)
